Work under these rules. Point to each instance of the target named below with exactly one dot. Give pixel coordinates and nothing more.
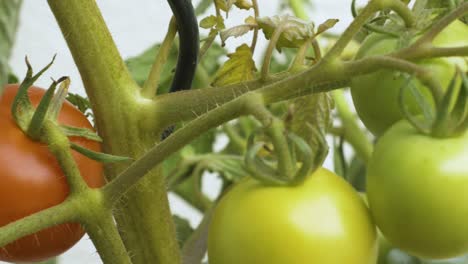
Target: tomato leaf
(243, 4)
(9, 14)
(311, 118)
(240, 67)
(183, 229)
(196, 245)
(236, 31)
(81, 103)
(295, 31)
(208, 22)
(339, 161)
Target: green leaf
(311, 118)
(183, 229)
(81, 103)
(243, 4)
(339, 161)
(311, 111)
(225, 5)
(356, 173)
(295, 31)
(195, 247)
(209, 22)
(326, 25)
(240, 67)
(236, 31)
(9, 17)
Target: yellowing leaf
(240, 67)
(326, 25)
(243, 4)
(295, 31)
(310, 119)
(209, 22)
(236, 31)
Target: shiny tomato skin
(375, 95)
(321, 221)
(31, 180)
(417, 188)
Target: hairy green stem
(143, 215)
(151, 84)
(191, 104)
(276, 131)
(100, 226)
(59, 146)
(255, 33)
(402, 10)
(360, 20)
(298, 8)
(270, 49)
(350, 128)
(59, 214)
(442, 23)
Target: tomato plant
(416, 187)
(375, 95)
(254, 223)
(276, 113)
(31, 180)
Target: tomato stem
(440, 24)
(350, 128)
(59, 214)
(355, 26)
(402, 10)
(59, 145)
(100, 226)
(255, 31)
(151, 85)
(270, 49)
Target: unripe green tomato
(417, 187)
(322, 220)
(375, 95)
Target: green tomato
(322, 220)
(375, 95)
(417, 188)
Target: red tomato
(31, 180)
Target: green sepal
(423, 126)
(339, 161)
(461, 106)
(22, 108)
(71, 131)
(444, 119)
(37, 120)
(98, 156)
(59, 98)
(259, 169)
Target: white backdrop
(135, 26)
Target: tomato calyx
(32, 120)
(450, 116)
(301, 154)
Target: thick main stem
(143, 215)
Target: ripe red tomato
(31, 180)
